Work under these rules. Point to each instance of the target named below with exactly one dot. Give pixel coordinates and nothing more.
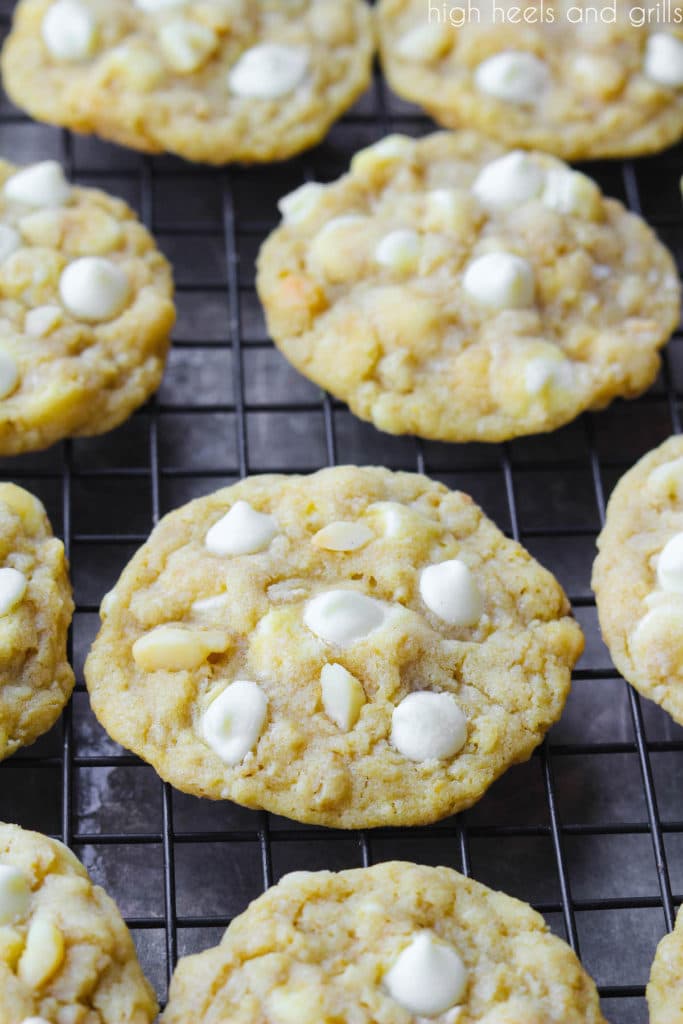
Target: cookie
(85, 309)
(665, 988)
(450, 289)
(559, 79)
(210, 80)
(66, 956)
(35, 611)
(354, 648)
(638, 576)
(393, 943)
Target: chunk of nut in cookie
(545, 374)
(500, 280)
(174, 648)
(268, 71)
(428, 726)
(343, 696)
(9, 374)
(233, 722)
(15, 894)
(399, 251)
(665, 482)
(300, 204)
(428, 976)
(425, 43)
(43, 954)
(450, 591)
(571, 192)
(9, 241)
(41, 184)
(12, 589)
(656, 644)
(342, 536)
(514, 76)
(186, 45)
(343, 617)
(42, 320)
(241, 531)
(93, 288)
(375, 159)
(670, 565)
(334, 251)
(663, 62)
(68, 30)
(509, 181)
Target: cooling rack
(590, 830)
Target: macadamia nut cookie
(210, 80)
(638, 576)
(85, 309)
(66, 956)
(448, 288)
(35, 611)
(354, 648)
(397, 943)
(546, 75)
(665, 988)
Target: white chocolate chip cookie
(210, 80)
(638, 576)
(354, 648)
(396, 943)
(550, 76)
(85, 309)
(665, 987)
(448, 288)
(35, 611)
(65, 953)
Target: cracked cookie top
(448, 288)
(396, 943)
(354, 648)
(66, 956)
(35, 611)
(210, 80)
(549, 75)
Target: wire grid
(590, 831)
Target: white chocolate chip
(509, 181)
(234, 721)
(209, 604)
(40, 184)
(35, 1020)
(15, 894)
(543, 374)
(663, 61)
(298, 205)
(343, 536)
(424, 43)
(94, 288)
(68, 30)
(186, 45)
(241, 531)
(9, 241)
(42, 320)
(382, 154)
(343, 616)
(571, 192)
(399, 250)
(173, 648)
(12, 589)
(428, 977)
(343, 696)
(427, 726)
(43, 954)
(154, 6)
(268, 71)
(666, 481)
(449, 590)
(9, 374)
(500, 280)
(513, 75)
(670, 565)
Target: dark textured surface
(590, 830)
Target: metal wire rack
(590, 831)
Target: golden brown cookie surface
(665, 987)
